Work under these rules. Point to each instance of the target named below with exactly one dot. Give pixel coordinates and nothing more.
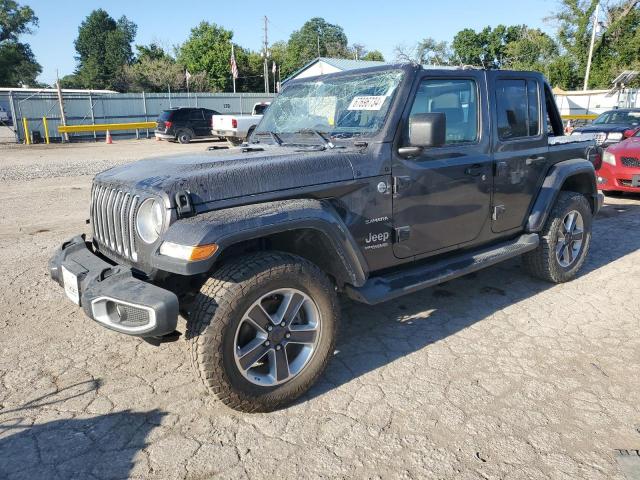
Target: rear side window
(518, 108)
(165, 115)
(195, 115)
(260, 109)
(457, 99)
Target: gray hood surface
(225, 174)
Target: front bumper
(618, 178)
(111, 295)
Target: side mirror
(425, 130)
(629, 133)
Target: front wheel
(564, 241)
(262, 330)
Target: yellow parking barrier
(579, 117)
(46, 130)
(27, 137)
(104, 127)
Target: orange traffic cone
(109, 141)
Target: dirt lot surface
(494, 375)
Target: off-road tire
(184, 136)
(219, 307)
(542, 262)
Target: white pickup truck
(237, 128)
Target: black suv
(370, 183)
(184, 124)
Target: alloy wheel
(570, 239)
(277, 337)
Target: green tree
(154, 70)
(486, 48)
(373, 55)
(532, 49)
(18, 65)
(104, 50)
(208, 50)
(316, 38)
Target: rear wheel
(564, 242)
(184, 136)
(262, 330)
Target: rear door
(520, 147)
(442, 197)
(198, 123)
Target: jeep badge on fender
(393, 179)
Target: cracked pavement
(494, 375)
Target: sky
(379, 25)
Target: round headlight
(149, 220)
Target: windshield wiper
(325, 141)
(274, 136)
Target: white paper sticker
(372, 102)
(70, 282)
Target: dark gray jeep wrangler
(372, 183)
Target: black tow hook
(169, 337)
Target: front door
(520, 148)
(442, 197)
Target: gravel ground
(491, 376)
(19, 162)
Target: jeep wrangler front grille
(113, 214)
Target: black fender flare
(556, 177)
(231, 226)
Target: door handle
(532, 160)
(474, 170)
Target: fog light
(601, 180)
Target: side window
(195, 115)
(458, 100)
(518, 107)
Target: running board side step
(387, 287)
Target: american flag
(234, 65)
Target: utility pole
(265, 55)
(593, 41)
(63, 117)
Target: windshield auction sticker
(372, 102)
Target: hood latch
(184, 207)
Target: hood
(607, 128)
(630, 146)
(225, 174)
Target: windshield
(342, 107)
(621, 117)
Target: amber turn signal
(188, 253)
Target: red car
(620, 170)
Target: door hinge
(498, 211)
(400, 183)
(403, 234)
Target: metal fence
(83, 109)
